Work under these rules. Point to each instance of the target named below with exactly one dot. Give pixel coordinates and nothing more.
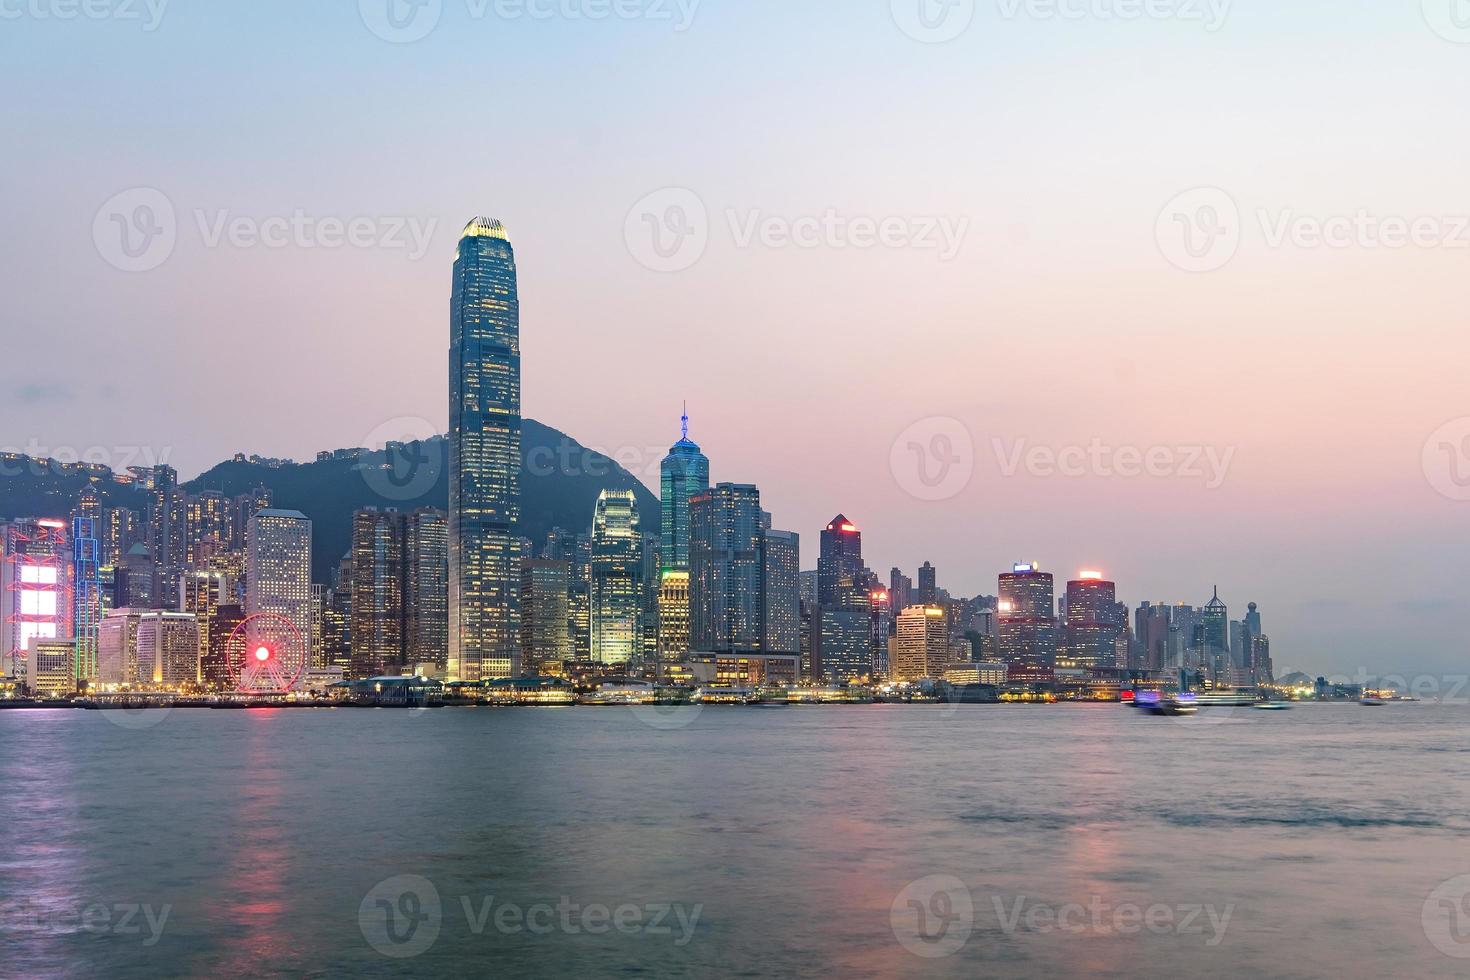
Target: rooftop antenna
(685, 420)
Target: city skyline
(1057, 322)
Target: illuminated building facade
(484, 456)
(922, 651)
(86, 576)
(840, 566)
(1215, 641)
(426, 588)
(204, 594)
(35, 589)
(51, 668)
(1094, 621)
(278, 568)
(617, 579)
(673, 618)
(684, 472)
(842, 645)
(167, 650)
(546, 636)
(1027, 618)
(783, 592)
(377, 593)
(117, 647)
(727, 594)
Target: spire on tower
(685, 421)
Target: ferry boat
(1227, 699)
(1155, 703)
(1369, 701)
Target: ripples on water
(1322, 831)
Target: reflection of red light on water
(263, 654)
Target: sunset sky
(1061, 145)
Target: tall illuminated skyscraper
(278, 568)
(617, 579)
(840, 566)
(783, 592)
(425, 588)
(377, 593)
(1028, 623)
(484, 456)
(685, 472)
(727, 594)
(1094, 621)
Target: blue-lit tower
(685, 472)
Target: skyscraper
(783, 592)
(727, 570)
(928, 584)
(673, 619)
(425, 588)
(617, 579)
(546, 639)
(278, 569)
(922, 651)
(377, 593)
(1215, 648)
(684, 473)
(485, 456)
(1028, 625)
(35, 584)
(840, 565)
(1095, 619)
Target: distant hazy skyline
(1025, 282)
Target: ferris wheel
(269, 653)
